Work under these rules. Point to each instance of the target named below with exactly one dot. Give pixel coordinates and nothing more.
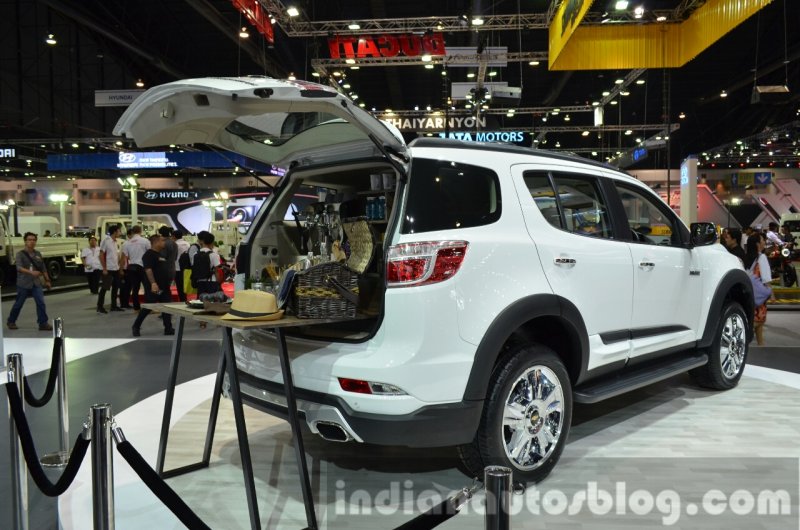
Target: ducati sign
(352, 47)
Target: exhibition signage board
(363, 46)
(433, 123)
(116, 98)
(744, 179)
(8, 152)
(508, 137)
(129, 160)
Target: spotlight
(477, 21)
(243, 33)
(51, 39)
(621, 5)
(140, 83)
(292, 11)
(354, 26)
(723, 94)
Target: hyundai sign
(144, 161)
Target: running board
(638, 377)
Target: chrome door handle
(646, 265)
(564, 261)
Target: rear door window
(446, 195)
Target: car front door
(567, 217)
(667, 281)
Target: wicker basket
(328, 290)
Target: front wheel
(54, 268)
(728, 353)
(526, 417)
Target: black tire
(725, 366)
(490, 444)
(2, 274)
(54, 268)
(789, 276)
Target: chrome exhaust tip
(333, 432)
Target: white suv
(508, 282)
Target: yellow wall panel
(565, 21)
(653, 45)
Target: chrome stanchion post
(497, 480)
(19, 475)
(102, 468)
(60, 457)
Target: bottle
(381, 209)
(370, 208)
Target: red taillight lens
(355, 385)
(424, 262)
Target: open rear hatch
(343, 170)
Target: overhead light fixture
(624, 93)
(118, 143)
(595, 103)
(291, 77)
(139, 83)
(428, 108)
(362, 104)
(354, 26)
(628, 132)
(638, 12)
(92, 147)
(314, 74)
(337, 74)
(346, 86)
(661, 18)
(429, 67)
(640, 81)
(477, 21)
(292, 11)
(470, 75)
(73, 145)
(558, 144)
(723, 94)
(621, 5)
(492, 73)
(533, 63)
(606, 93)
(613, 101)
(51, 39)
(619, 81)
(350, 61)
(566, 118)
(681, 115)
(444, 72)
(243, 33)
(585, 133)
(468, 106)
(426, 58)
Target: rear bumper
(430, 426)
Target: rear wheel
(54, 268)
(526, 417)
(728, 353)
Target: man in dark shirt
(731, 240)
(158, 276)
(170, 251)
(31, 276)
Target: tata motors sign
(144, 161)
(116, 98)
(360, 47)
(507, 137)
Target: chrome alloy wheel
(533, 416)
(732, 346)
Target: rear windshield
(446, 195)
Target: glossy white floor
(672, 425)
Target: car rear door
(566, 215)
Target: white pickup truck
(58, 252)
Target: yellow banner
(629, 46)
(565, 21)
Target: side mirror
(703, 234)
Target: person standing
(90, 256)
(169, 252)
(756, 262)
(158, 274)
(132, 252)
(204, 266)
(731, 239)
(31, 276)
(109, 261)
(183, 247)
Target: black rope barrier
(51, 380)
(160, 488)
(31, 457)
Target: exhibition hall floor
(667, 438)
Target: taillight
(369, 387)
(425, 262)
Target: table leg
(297, 435)
(171, 380)
(212, 415)
(241, 430)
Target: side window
(583, 209)
(648, 221)
(543, 196)
(445, 195)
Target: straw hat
(253, 305)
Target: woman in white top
(757, 263)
